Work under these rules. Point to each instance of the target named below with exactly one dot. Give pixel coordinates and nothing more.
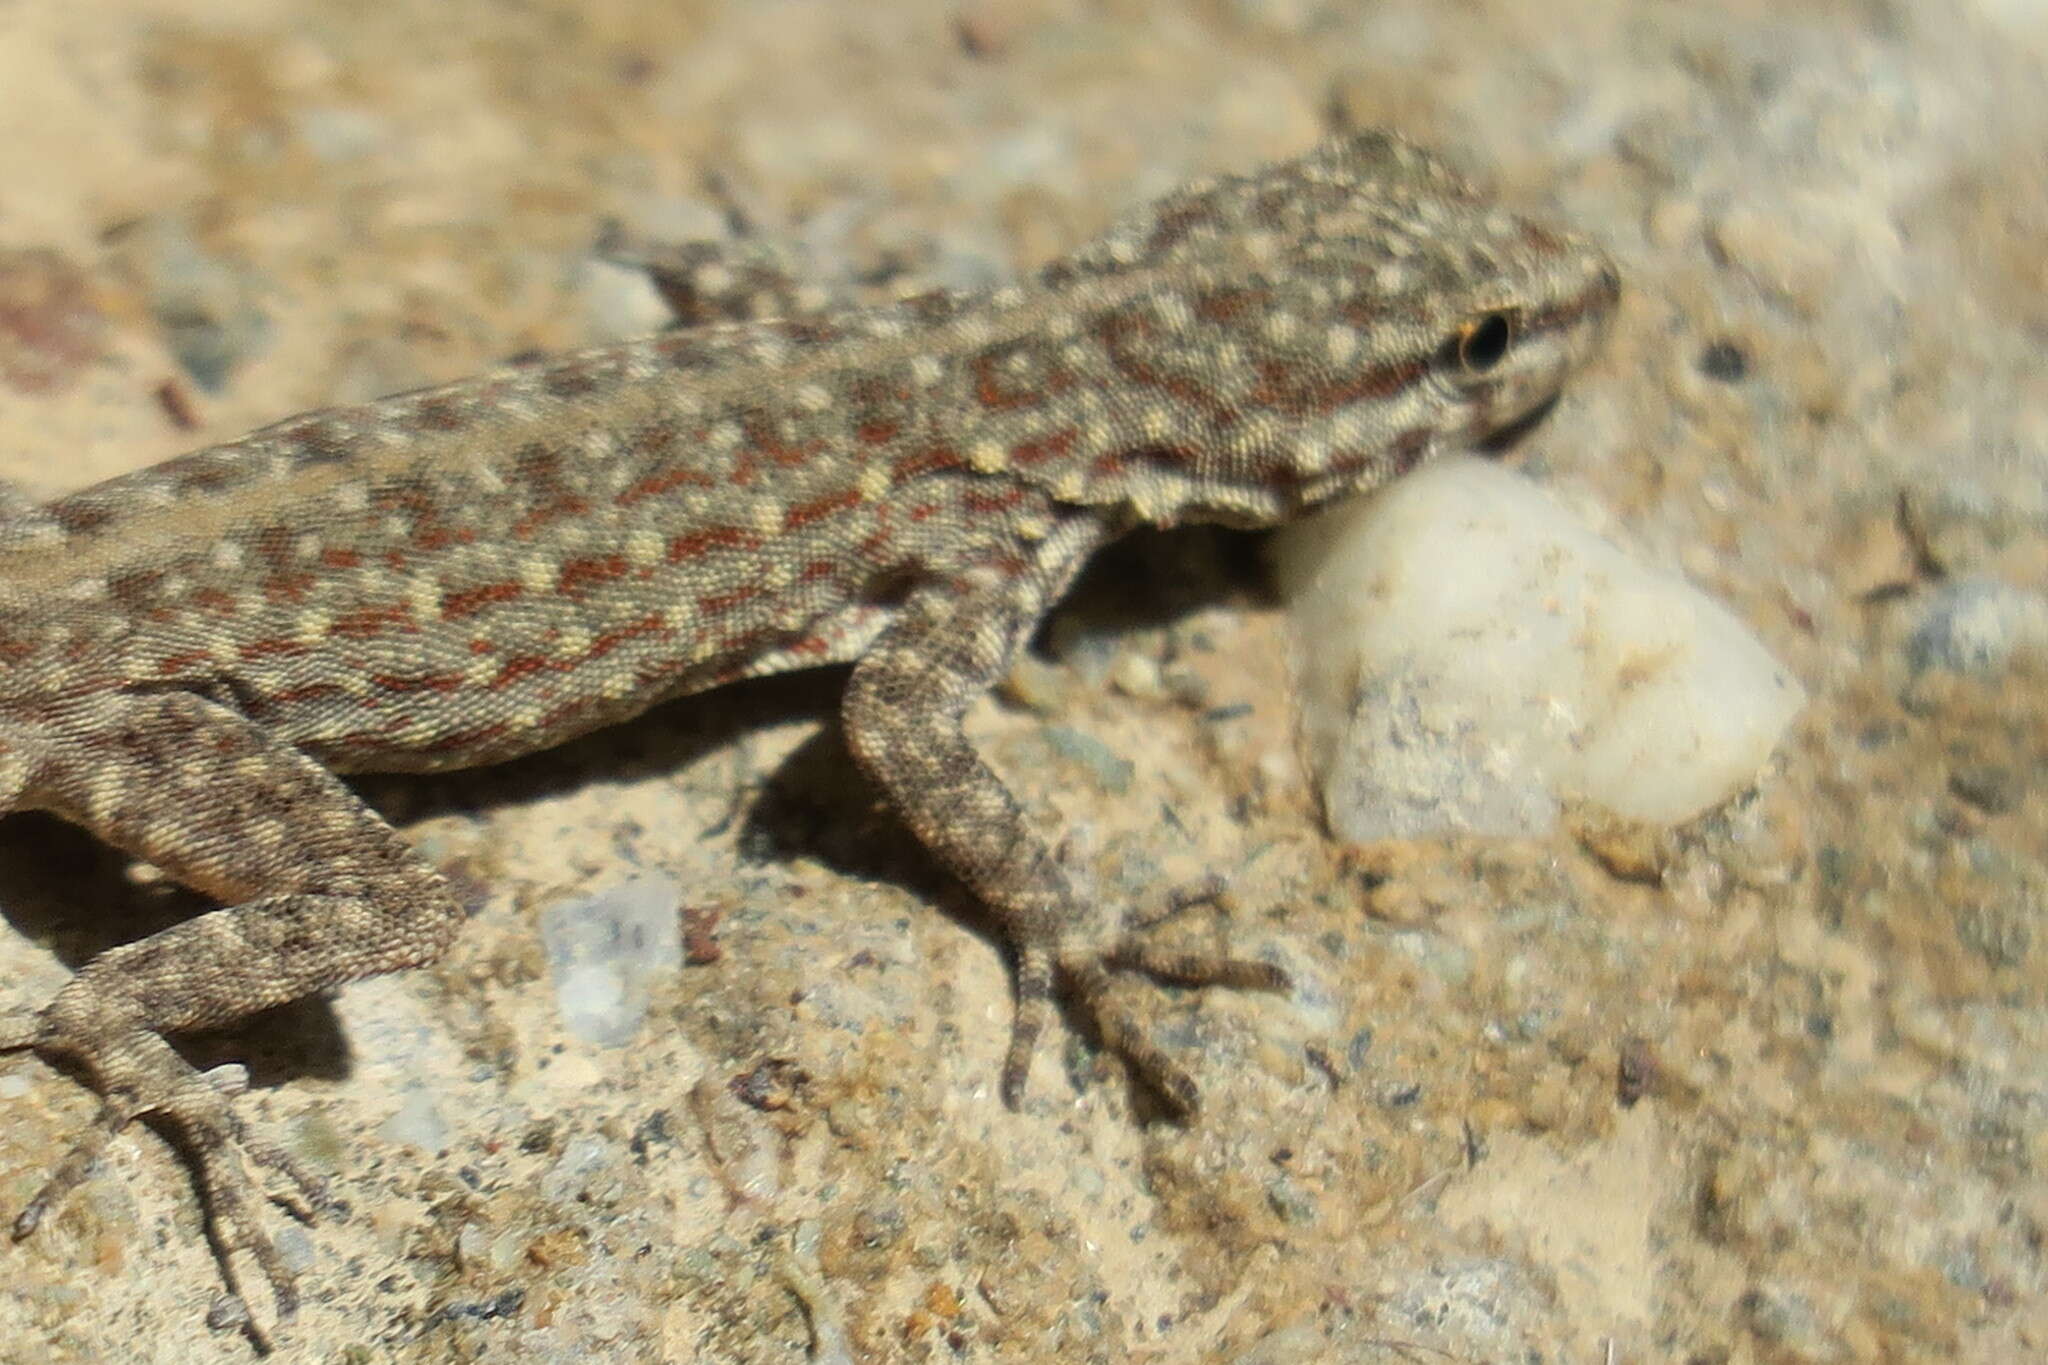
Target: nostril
(1609, 284)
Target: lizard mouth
(1504, 438)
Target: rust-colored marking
(718, 603)
(368, 622)
(1051, 446)
(804, 513)
(419, 682)
(696, 543)
(932, 459)
(579, 576)
(470, 601)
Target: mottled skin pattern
(189, 653)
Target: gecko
(193, 653)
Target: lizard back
(468, 572)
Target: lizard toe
(1089, 974)
(139, 1075)
(1092, 980)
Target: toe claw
(229, 1078)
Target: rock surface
(1770, 1089)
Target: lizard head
(1322, 326)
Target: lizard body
(191, 652)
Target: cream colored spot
(311, 627)
(350, 497)
(644, 547)
(723, 436)
(1123, 250)
(1150, 502)
(986, 457)
(711, 278)
(103, 796)
(1157, 423)
(517, 404)
(926, 370)
(1261, 246)
(873, 481)
(814, 398)
(226, 556)
(1174, 312)
(1353, 425)
(423, 595)
(572, 643)
(766, 515)
(1310, 452)
(884, 325)
(1281, 326)
(1343, 343)
(1009, 296)
(1069, 486)
(538, 575)
(249, 768)
(1033, 527)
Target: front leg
(903, 713)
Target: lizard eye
(1482, 342)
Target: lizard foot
(1089, 973)
(138, 1075)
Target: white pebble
(1472, 656)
